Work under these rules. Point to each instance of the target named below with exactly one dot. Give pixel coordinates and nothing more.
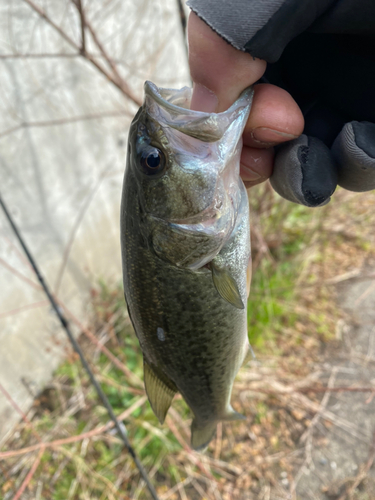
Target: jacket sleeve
(264, 27)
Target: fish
(185, 244)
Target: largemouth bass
(185, 239)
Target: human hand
(328, 69)
(220, 73)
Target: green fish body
(185, 239)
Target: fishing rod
(65, 324)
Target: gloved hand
(323, 53)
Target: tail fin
(202, 435)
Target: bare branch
(51, 23)
(183, 21)
(82, 16)
(131, 376)
(30, 474)
(362, 472)
(29, 425)
(34, 305)
(73, 233)
(121, 85)
(65, 324)
(73, 439)
(14, 271)
(38, 56)
(109, 60)
(63, 121)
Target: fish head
(186, 167)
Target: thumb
(219, 71)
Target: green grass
(268, 311)
(291, 233)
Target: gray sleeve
(265, 27)
(261, 27)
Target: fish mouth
(172, 108)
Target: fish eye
(152, 161)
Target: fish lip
(207, 127)
(155, 93)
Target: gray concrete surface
(336, 453)
(62, 182)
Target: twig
(30, 474)
(29, 425)
(82, 16)
(306, 390)
(363, 471)
(74, 439)
(120, 85)
(323, 405)
(39, 56)
(307, 436)
(63, 121)
(110, 61)
(186, 447)
(219, 440)
(176, 487)
(80, 216)
(73, 341)
(300, 399)
(34, 305)
(84, 330)
(182, 16)
(102, 348)
(183, 22)
(199, 489)
(14, 271)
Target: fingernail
(203, 99)
(268, 136)
(249, 175)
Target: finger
(354, 151)
(304, 172)
(219, 71)
(275, 118)
(256, 165)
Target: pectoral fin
(226, 286)
(160, 391)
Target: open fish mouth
(171, 108)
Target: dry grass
(65, 447)
(300, 254)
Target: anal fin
(160, 391)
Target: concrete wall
(62, 181)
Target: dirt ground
(340, 458)
(308, 398)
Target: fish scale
(186, 290)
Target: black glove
(323, 53)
